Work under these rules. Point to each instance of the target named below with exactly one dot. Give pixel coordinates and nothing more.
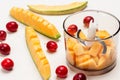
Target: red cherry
(79, 76)
(72, 29)
(2, 35)
(61, 71)
(4, 48)
(87, 20)
(12, 26)
(7, 64)
(51, 46)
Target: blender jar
(95, 55)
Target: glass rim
(93, 11)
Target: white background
(24, 68)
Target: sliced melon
(89, 64)
(37, 53)
(102, 34)
(37, 22)
(105, 59)
(102, 63)
(58, 9)
(70, 43)
(70, 55)
(78, 49)
(95, 49)
(96, 59)
(82, 58)
(82, 36)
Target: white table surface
(24, 68)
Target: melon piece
(58, 9)
(102, 63)
(102, 34)
(106, 59)
(108, 53)
(70, 55)
(37, 22)
(37, 53)
(70, 43)
(88, 65)
(95, 49)
(96, 59)
(81, 59)
(109, 42)
(78, 49)
(82, 36)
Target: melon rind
(58, 9)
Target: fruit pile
(89, 56)
(5, 48)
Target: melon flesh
(37, 22)
(91, 57)
(70, 55)
(37, 53)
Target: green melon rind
(82, 6)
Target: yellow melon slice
(102, 34)
(78, 49)
(70, 43)
(95, 49)
(107, 54)
(106, 59)
(89, 65)
(37, 53)
(96, 59)
(58, 9)
(37, 22)
(82, 36)
(102, 63)
(70, 55)
(81, 59)
(109, 42)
